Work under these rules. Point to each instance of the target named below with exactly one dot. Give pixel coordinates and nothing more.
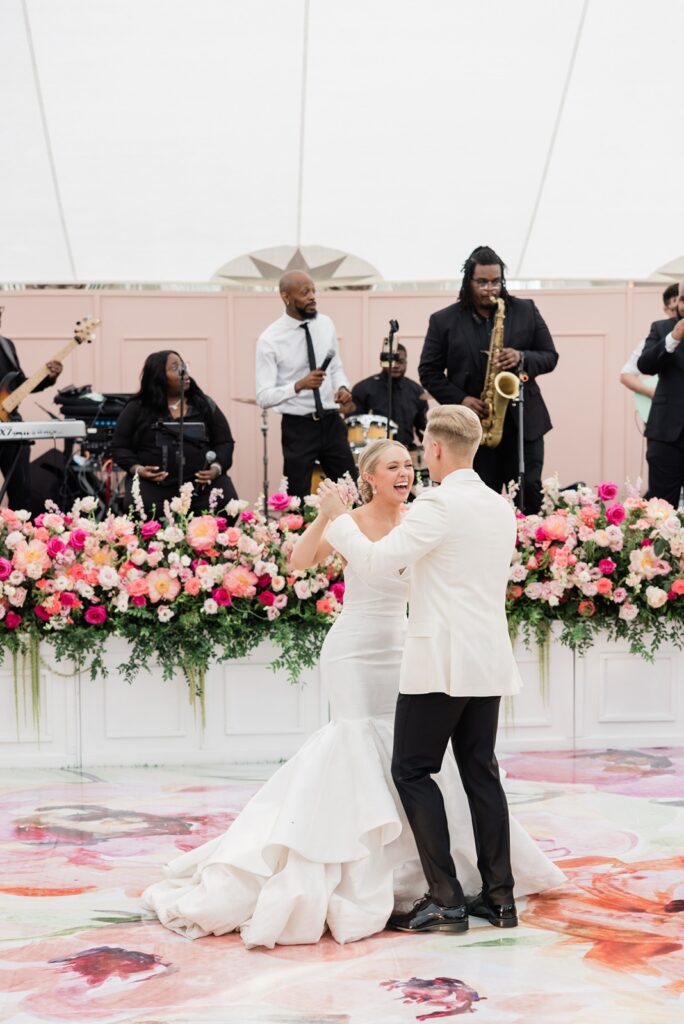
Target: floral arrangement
(593, 562)
(184, 590)
(187, 590)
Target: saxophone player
(455, 360)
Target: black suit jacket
(666, 418)
(452, 364)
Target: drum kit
(361, 430)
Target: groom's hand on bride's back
(330, 500)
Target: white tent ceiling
(171, 131)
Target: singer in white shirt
(290, 358)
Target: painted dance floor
(77, 849)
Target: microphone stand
(393, 328)
(181, 422)
(264, 434)
(523, 378)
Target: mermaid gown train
(325, 842)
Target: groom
(457, 664)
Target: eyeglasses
(483, 282)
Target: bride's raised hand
(330, 501)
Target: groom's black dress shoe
(429, 916)
(502, 915)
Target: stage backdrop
(596, 434)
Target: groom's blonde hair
(456, 427)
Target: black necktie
(312, 366)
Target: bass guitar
(12, 396)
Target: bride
(325, 842)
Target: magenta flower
(139, 601)
(5, 568)
(607, 565)
(540, 535)
(77, 540)
(222, 597)
(337, 591)
(41, 613)
(267, 598)
(12, 620)
(55, 547)
(279, 501)
(68, 598)
(615, 514)
(149, 529)
(95, 615)
(607, 492)
(247, 517)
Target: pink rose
(607, 565)
(95, 615)
(149, 529)
(267, 598)
(12, 620)
(68, 598)
(38, 521)
(279, 501)
(337, 591)
(233, 536)
(291, 522)
(615, 514)
(619, 595)
(5, 568)
(222, 597)
(192, 586)
(607, 492)
(42, 613)
(55, 547)
(139, 601)
(247, 517)
(77, 540)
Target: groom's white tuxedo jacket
(458, 539)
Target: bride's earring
(374, 489)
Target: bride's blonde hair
(368, 460)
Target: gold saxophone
(499, 388)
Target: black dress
(143, 439)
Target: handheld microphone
(208, 459)
(394, 326)
(328, 359)
(182, 370)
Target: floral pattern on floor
(77, 849)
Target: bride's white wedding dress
(325, 841)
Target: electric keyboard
(48, 430)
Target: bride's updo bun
(368, 460)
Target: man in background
(629, 374)
(299, 372)
(453, 368)
(663, 355)
(409, 401)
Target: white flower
(172, 535)
(15, 578)
(84, 589)
(302, 589)
(164, 614)
(108, 577)
(121, 601)
(628, 611)
(181, 503)
(277, 583)
(656, 597)
(53, 522)
(17, 598)
(186, 560)
(517, 573)
(13, 538)
(210, 606)
(89, 503)
(235, 506)
(60, 583)
(22, 515)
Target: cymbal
(245, 401)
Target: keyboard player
(14, 456)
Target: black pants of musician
(498, 466)
(19, 487)
(665, 469)
(154, 495)
(307, 441)
(425, 724)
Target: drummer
(409, 401)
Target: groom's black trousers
(424, 725)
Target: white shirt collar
(459, 476)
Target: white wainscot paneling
(540, 717)
(54, 740)
(625, 701)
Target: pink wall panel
(595, 433)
